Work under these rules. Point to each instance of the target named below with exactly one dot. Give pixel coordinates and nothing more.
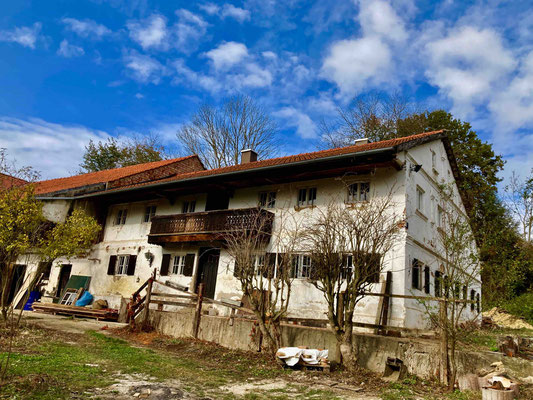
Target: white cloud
(378, 18)
(226, 11)
(210, 8)
(55, 150)
(239, 14)
(150, 33)
(305, 127)
(189, 30)
(467, 65)
(227, 54)
(354, 64)
(139, 96)
(143, 68)
(269, 55)
(26, 36)
(86, 28)
(69, 50)
(253, 76)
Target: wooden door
(64, 276)
(208, 270)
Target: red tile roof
(55, 185)
(7, 181)
(108, 175)
(302, 157)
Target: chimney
(361, 141)
(248, 156)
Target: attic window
(149, 213)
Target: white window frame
(358, 196)
(267, 199)
(188, 206)
(308, 201)
(121, 267)
(149, 213)
(259, 263)
(178, 264)
(122, 215)
(420, 199)
(300, 267)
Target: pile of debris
(516, 346)
(494, 382)
(497, 317)
(304, 358)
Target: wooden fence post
(147, 300)
(198, 313)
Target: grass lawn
(48, 364)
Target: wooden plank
(387, 300)
(173, 296)
(198, 313)
(380, 306)
(172, 303)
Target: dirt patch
(138, 386)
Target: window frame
(309, 200)
(149, 213)
(125, 258)
(121, 217)
(267, 199)
(420, 199)
(179, 267)
(188, 206)
(416, 268)
(358, 193)
(300, 267)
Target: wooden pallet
(108, 315)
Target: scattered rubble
(503, 319)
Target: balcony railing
(209, 225)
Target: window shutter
(131, 265)
(189, 265)
(270, 265)
(426, 279)
(111, 266)
(165, 263)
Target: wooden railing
(213, 222)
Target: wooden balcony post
(198, 313)
(147, 300)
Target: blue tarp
(85, 299)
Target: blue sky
(75, 71)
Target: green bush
(521, 306)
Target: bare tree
(455, 282)
(519, 199)
(376, 117)
(347, 246)
(265, 278)
(218, 134)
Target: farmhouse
(173, 214)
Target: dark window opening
(415, 271)
(149, 213)
(438, 284)
(267, 199)
(427, 283)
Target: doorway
(16, 283)
(217, 201)
(208, 270)
(64, 276)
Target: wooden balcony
(209, 225)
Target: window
(472, 299)
(465, 292)
(188, 206)
(149, 212)
(122, 265)
(440, 214)
(438, 284)
(415, 279)
(121, 217)
(358, 192)
(302, 266)
(267, 199)
(259, 264)
(419, 199)
(478, 303)
(306, 197)
(178, 265)
(427, 283)
(370, 262)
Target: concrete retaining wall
(419, 355)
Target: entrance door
(64, 276)
(207, 270)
